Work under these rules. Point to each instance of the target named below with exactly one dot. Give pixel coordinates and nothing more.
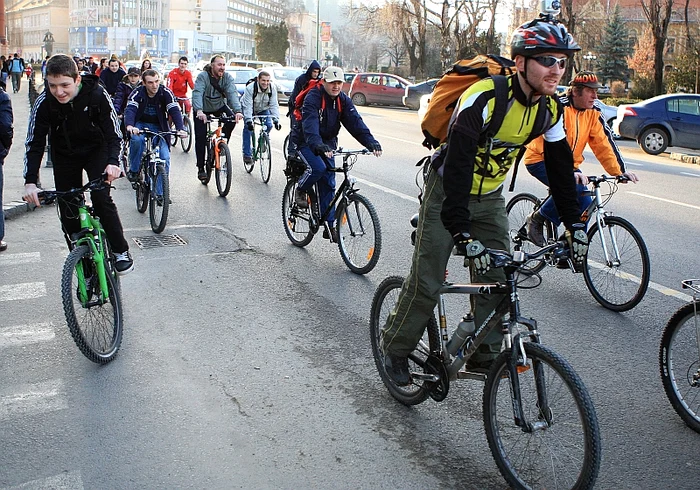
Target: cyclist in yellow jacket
(584, 124)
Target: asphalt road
(246, 361)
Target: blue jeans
(248, 136)
(316, 172)
(548, 209)
(138, 144)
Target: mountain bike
(679, 358)
(185, 143)
(218, 155)
(261, 149)
(89, 284)
(152, 184)
(617, 268)
(540, 422)
(356, 222)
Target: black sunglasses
(550, 61)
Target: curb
(682, 157)
(13, 209)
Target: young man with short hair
(259, 99)
(77, 116)
(111, 77)
(178, 80)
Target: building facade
(28, 22)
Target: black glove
(277, 124)
(321, 149)
(578, 242)
(250, 126)
(374, 147)
(474, 251)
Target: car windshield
(287, 73)
(242, 76)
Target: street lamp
(590, 59)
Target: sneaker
(301, 199)
(535, 229)
(247, 160)
(333, 234)
(201, 173)
(478, 366)
(397, 369)
(124, 263)
(132, 176)
(3, 245)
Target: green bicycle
(89, 284)
(261, 149)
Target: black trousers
(200, 133)
(67, 175)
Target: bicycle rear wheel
(359, 234)
(160, 203)
(186, 143)
(173, 128)
(142, 189)
(223, 173)
(383, 303)
(679, 361)
(297, 221)
(265, 157)
(94, 323)
(618, 281)
(560, 444)
(285, 148)
(518, 209)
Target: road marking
(656, 287)
(664, 200)
(27, 290)
(26, 334)
(7, 260)
(33, 399)
(635, 164)
(412, 142)
(65, 481)
(690, 175)
(389, 191)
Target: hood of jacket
(315, 65)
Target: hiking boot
(123, 263)
(301, 199)
(535, 229)
(201, 174)
(333, 234)
(397, 369)
(247, 160)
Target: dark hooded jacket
(124, 89)
(110, 79)
(300, 83)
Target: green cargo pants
(419, 293)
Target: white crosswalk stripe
(25, 290)
(65, 481)
(6, 260)
(32, 399)
(26, 334)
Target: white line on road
(47, 396)
(380, 136)
(7, 260)
(664, 200)
(389, 191)
(65, 481)
(26, 334)
(689, 174)
(27, 290)
(635, 164)
(656, 287)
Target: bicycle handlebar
(48, 196)
(502, 258)
(340, 151)
(597, 179)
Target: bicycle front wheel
(142, 189)
(160, 199)
(518, 209)
(383, 302)
(558, 445)
(265, 157)
(617, 267)
(285, 148)
(223, 172)
(94, 319)
(186, 143)
(679, 360)
(359, 234)
(208, 163)
(297, 220)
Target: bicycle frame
(256, 139)
(213, 138)
(346, 187)
(597, 207)
(92, 234)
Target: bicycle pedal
(433, 378)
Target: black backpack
(255, 87)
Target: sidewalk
(13, 169)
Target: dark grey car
(414, 92)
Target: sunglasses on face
(550, 61)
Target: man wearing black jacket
(77, 115)
(110, 78)
(6, 133)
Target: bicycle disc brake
(437, 389)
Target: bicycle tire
(359, 234)
(678, 357)
(518, 209)
(159, 206)
(577, 428)
(383, 302)
(173, 137)
(249, 166)
(223, 173)
(142, 189)
(285, 148)
(208, 163)
(265, 158)
(186, 143)
(297, 222)
(95, 329)
(615, 288)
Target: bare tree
(658, 13)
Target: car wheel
(654, 141)
(359, 99)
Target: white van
(253, 63)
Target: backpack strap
(541, 125)
(215, 83)
(500, 89)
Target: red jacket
(178, 82)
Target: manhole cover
(154, 241)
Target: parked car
(413, 93)
(349, 77)
(378, 88)
(662, 121)
(241, 75)
(284, 79)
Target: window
(689, 106)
